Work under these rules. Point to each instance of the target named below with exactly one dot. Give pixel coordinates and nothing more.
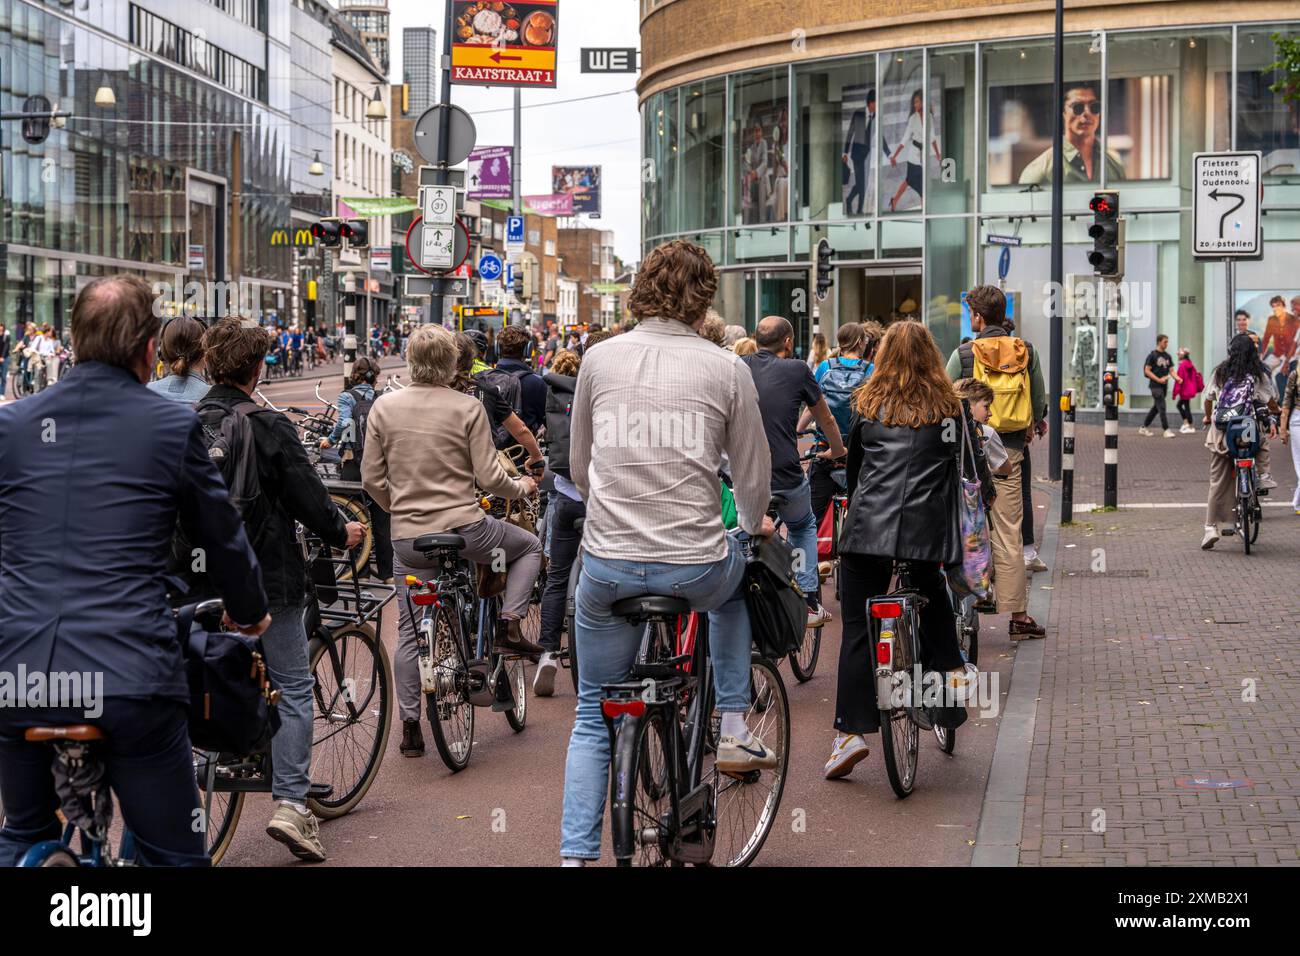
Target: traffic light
(1107, 232)
(36, 128)
(328, 232)
(530, 277)
(517, 272)
(356, 232)
(1109, 388)
(824, 280)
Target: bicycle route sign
(1227, 193)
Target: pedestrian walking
(1158, 369)
(1190, 384)
(1290, 422)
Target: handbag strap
(967, 448)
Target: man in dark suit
(857, 150)
(94, 473)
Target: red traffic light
(1100, 204)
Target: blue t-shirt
(849, 362)
(296, 338)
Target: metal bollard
(1067, 457)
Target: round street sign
(489, 267)
(460, 134)
(415, 239)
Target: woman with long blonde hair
(902, 473)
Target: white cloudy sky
(602, 132)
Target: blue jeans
(607, 647)
(801, 530)
(285, 643)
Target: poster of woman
(764, 167)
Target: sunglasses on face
(1092, 106)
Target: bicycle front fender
(38, 854)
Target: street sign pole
(444, 138)
(1056, 334)
(514, 167)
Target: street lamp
(317, 168)
(105, 97)
(375, 109)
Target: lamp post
(1056, 337)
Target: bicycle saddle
(435, 542)
(81, 732)
(651, 605)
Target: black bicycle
(668, 803)
(352, 713)
(455, 632)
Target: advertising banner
(560, 204)
(580, 182)
(488, 175)
(505, 44)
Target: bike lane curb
(997, 838)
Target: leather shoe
(510, 640)
(1026, 630)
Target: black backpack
(228, 433)
(509, 388)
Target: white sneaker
(1266, 482)
(544, 682)
(1145, 431)
(849, 750)
(735, 757)
(1169, 433)
(1187, 429)
(1035, 564)
(818, 616)
(1211, 537)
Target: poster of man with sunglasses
(1081, 147)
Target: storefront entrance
(883, 293)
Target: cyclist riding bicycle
(427, 447)
(654, 411)
(1242, 399)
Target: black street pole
(444, 132)
(1058, 278)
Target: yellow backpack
(1002, 362)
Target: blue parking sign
(515, 229)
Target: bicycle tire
(60, 857)
(227, 806)
(737, 838)
(899, 734)
(372, 694)
(636, 819)
(1256, 515)
(803, 661)
(355, 510)
(455, 744)
(515, 672)
(1243, 523)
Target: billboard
(488, 175)
(505, 44)
(559, 204)
(580, 182)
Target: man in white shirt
(655, 410)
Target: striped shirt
(655, 410)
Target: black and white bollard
(1067, 457)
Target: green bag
(729, 519)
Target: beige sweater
(426, 446)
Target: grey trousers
(486, 541)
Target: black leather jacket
(559, 398)
(902, 493)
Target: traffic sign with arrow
(1228, 192)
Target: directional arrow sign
(437, 246)
(1225, 209)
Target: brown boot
(510, 640)
(1026, 630)
(412, 739)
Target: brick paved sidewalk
(1167, 678)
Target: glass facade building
(915, 162)
(184, 179)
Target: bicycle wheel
(224, 808)
(60, 856)
(1244, 523)
(803, 662)
(1256, 515)
(517, 675)
(355, 510)
(637, 820)
(353, 715)
(899, 734)
(746, 807)
(451, 715)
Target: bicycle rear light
(885, 651)
(412, 581)
(425, 599)
(1245, 462)
(620, 708)
(886, 609)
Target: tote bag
(972, 577)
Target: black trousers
(1026, 501)
(565, 540)
(862, 578)
(1157, 408)
(821, 486)
(1185, 409)
(381, 525)
(149, 764)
